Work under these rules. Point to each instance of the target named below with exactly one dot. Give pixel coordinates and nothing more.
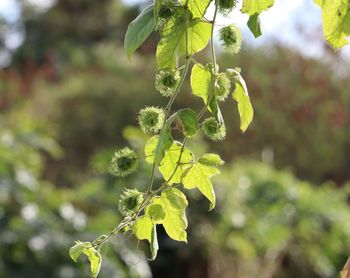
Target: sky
(285, 22)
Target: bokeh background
(69, 98)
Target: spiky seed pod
(151, 119)
(167, 81)
(223, 87)
(213, 130)
(231, 38)
(130, 201)
(124, 162)
(226, 6)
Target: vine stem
(149, 194)
(172, 99)
(213, 55)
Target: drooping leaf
(144, 229)
(139, 30)
(95, 260)
(154, 244)
(335, 21)
(198, 176)
(245, 109)
(211, 159)
(174, 203)
(93, 255)
(254, 25)
(172, 44)
(197, 7)
(188, 121)
(201, 81)
(252, 7)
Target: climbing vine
(185, 30)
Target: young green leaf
(256, 6)
(139, 30)
(211, 159)
(254, 25)
(198, 176)
(95, 260)
(172, 44)
(76, 250)
(174, 203)
(93, 255)
(335, 21)
(188, 121)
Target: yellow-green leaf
(256, 6)
(201, 81)
(335, 21)
(142, 228)
(245, 108)
(198, 176)
(197, 7)
(172, 44)
(174, 203)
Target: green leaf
(211, 159)
(172, 44)
(170, 161)
(335, 21)
(76, 250)
(95, 260)
(201, 81)
(197, 7)
(174, 203)
(252, 7)
(188, 121)
(254, 25)
(156, 212)
(150, 147)
(198, 176)
(245, 109)
(93, 255)
(142, 228)
(164, 142)
(139, 30)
